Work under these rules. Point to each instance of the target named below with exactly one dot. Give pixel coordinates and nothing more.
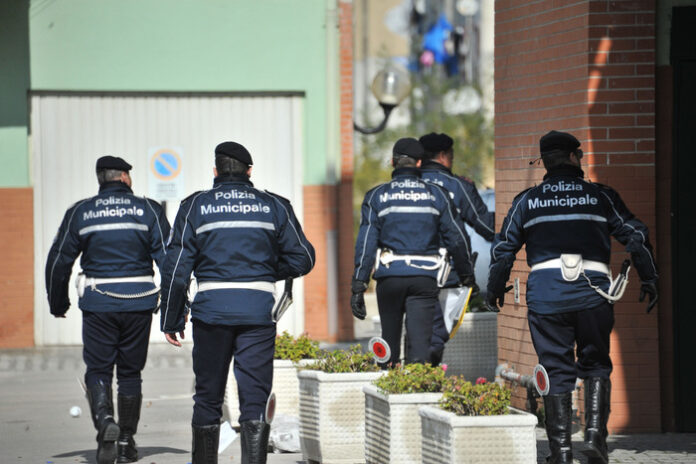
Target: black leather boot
(254, 436)
(102, 408)
(559, 410)
(206, 439)
(597, 401)
(128, 417)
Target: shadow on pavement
(672, 442)
(90, 456)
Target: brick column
(345, 188)
(329, 213)
(588, 68)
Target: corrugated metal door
(70, 131)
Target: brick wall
(319, 220)
(586, 67)
(17, 270)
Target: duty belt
(587, 265)
(573, 265)
(440, 262)
(257, 285)
(82, 281)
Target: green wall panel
(187, 45)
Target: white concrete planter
(392, 425)
(332, 416)
(285, 386)
(451, 439)
(473, 352)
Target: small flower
(444, 367)
(481, 380)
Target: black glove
(493, 301)
(469, 281)
(649, 289)
(357, 299)
(490, 302)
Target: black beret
(555, 140)
(408, 147)
(234, 150)
(113, 162)
(435, 143)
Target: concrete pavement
(39, 386)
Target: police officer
(404, 219)
(118, 235)
(437, 168)
(238, 241)
(567, 223)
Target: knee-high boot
(254, 441)
(128, 417)
(558, 409)
(597, 400)
(206, 439)
(101, 406)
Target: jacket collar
(431, 165)
(243, 179)
(114, 186)
(567, 170)
(403, 172)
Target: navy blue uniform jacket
(409, 216)
(567, 214)
(231, 233)
(465, 198)
(118, 234)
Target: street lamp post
(390, 87)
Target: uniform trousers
(561, 337)
(119, 339)
(214, 346)
(416, 298)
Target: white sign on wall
(165, 173)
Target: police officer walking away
(405, 219)
(437, 168)
(238, 241)
(567, 223)
(118, 235)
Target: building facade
(619, 75)
(139, 79)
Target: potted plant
(475, 423)
(290, 352)
(332, 412)
(392, 425)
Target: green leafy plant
(294, 349)
(481, 399)
(342, 361)
(412, 378)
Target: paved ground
(39, 386)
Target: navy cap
(555, 140)
(435, 143)
(234, 150)
(113, 162)
(408, 147)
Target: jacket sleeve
(367, 241)
(296, 253)
(159, 232)
(65, 249)
(176, 270)
(505, 246)
(632, 233)
(474, 210)
(453, 234)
